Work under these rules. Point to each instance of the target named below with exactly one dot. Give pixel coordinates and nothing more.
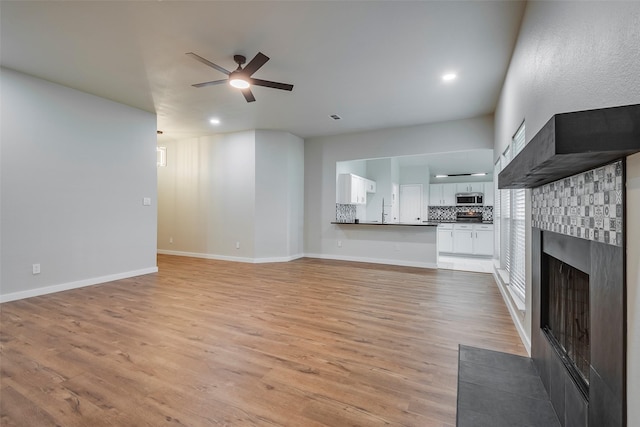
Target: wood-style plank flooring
(305, 343)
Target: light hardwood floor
(305, 343)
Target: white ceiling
(376, 64)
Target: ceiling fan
(241, 77)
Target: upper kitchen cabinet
(370, 186)
(470, 187)
(353, 189)
(442, 194)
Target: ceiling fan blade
(273, 85)
(248, 95)
(258, 61)
(215, 82)
(209, 63)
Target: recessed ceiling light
(449, 77)
(214, 121)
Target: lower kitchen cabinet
(445, 237)
(463, 238)
(483, 239)
(466, 239)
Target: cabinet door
(371, 186)
(435, 195)
(344, 189)
(462, 187)
(483, 242)
(361, 189)
(445, 240)
(476, 187)
(463, 241)
(488, 194)
(470, 187)
(449, 194)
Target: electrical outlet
(339, 243)
(146, 201)
(36, 269)
(237, 245)
(171, 240)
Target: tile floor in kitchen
(480, 265)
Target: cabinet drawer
(463, 227)
(483, 227)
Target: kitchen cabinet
(442, 194)
(488, 194)
(353, 189)
(466, 239)
(370, 186)
(483, 239)
(445, 237)
(470, 187)
(463, 238)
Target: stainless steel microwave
(469, 199)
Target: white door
(411, 203)
(395, 205)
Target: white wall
(322, 153)
(241, 188)
(74, 171)
(279, 193)
(207, 196)
(574, 56)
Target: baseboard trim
(513, 311)
(374, 260)
(231, 258)
(14, 296)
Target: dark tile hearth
(499, 389)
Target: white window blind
(505, 219)
(516, 268)
(496, 213)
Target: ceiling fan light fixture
(238, 80)
(448, 77)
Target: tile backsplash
(448, 213)
(345, 213)
(587, 205)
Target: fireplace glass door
(568, 316)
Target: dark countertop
(422, 224)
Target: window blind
(505, 220)
(517, 230)
(496, 213)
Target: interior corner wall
(206, 196)
(573, 56)
(279, 196)
(74, 171)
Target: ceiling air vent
(335, 116)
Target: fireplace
(578, 296)
(566, 321)
(576, 169)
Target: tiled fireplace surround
(580, 220)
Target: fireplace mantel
(570, 143)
